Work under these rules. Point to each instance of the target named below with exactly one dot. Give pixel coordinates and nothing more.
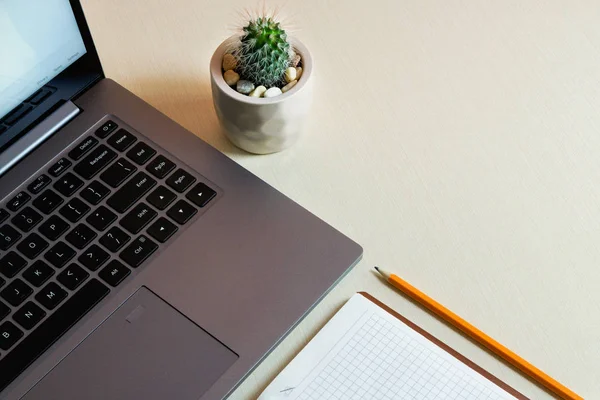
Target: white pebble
(289, 86)
(244, 87)
(272, 92)
(290, 74)
(231, 77)
(229, 62)
(258, 92)
(298, 72)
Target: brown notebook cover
(447, 348)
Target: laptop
(136, 261)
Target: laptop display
(38, 40)
(47, 58)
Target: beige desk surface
(457, 141)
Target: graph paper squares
(381, 362)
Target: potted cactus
(261, 86)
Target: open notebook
(367, 351)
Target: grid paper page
(366, 353)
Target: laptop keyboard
(79, 229)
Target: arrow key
(161, 197)
(200, 194)
(72, 276)
(181, 212)
(162, 229)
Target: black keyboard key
(201, 194)
(18, 201)
(38, 273)
(26, 219)
(138, 251)
(54, 227)
(180, 180)
(161, 197)
(83, 147)
(182, 212)
(9, 335)
(32, 246)
(114, 273)
(16, 292)
(94, 193)
(138, 218)
(3, 215)
(60, 167)
(50, 330)
(39, 183)
(160, 167)
(8, 236)
(47, 201)
(118, 172)
(162, 229)
(114, 239)
(131, 192)
(121, 140)
(68, 184)
(106, 129)
(101, 218)
(2, 128)
(4, 310)
(93, 257)
(141, 153)
(29, 315)
(74, 210)
(72, 276)
(94, 162)
(60, 254)
(11, 264)
(51, 295)
(2, 281)
(81, 236)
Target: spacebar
(49, 331)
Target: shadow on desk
(189, 103)
(297, 350)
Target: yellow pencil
(534, 374)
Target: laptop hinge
(37, 135)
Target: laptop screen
(38, 40)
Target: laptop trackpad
(145, 350)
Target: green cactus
(264, 52)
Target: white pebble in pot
(273, 92)
(258, 92)
(290, 74)
(244, 87)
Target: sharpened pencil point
(383, 273)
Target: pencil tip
(377, 268)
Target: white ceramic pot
(261, 125)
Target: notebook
(368, 351)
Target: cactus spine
(264, 53)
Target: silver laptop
(136, 261)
